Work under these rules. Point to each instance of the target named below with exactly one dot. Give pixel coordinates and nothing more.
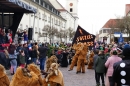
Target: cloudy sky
(93, 14)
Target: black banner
(83, 36)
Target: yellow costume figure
(52, 59)
(82, 58)
(4, 80)
(34, 68)
(55, 76)
(90, 60)
(24, 77)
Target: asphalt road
(73, 79)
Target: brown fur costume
(36, 70)
(4, 80)
(24, 77)
(52, 59)
(82, 58)
(75, 57)
(55, 77)
(90, 60)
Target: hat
(126, 46)
(126, 51)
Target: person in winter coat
(94, 61)
(100, 67)
(12, 58)
(109, 65)
(121, 73)
(22, 59)
(34, 55)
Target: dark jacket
(121, 74)
(3, 60)
(100, 64)
(94, 59)
(33, 54)
(43, 51)
(22, 59)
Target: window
(35, 29)
(104, 31)
(43, 16)
(52, 9)
(100, 32)
(43, 4)
(48, 19)
(39, 15)
(71, 9)
(52, 20)
(48, 7)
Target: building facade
(70, 13)
(46, 16)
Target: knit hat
(126, 50)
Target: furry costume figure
(55, 77)
(82, 58)
(34, 68)
(23, 77)
(4, 80)
(90, 60)
(52, 59)
(75, 57)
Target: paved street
(73, 79)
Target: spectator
(121, 74)
(34, 55)
(13, 57)
(42, 56)
(94, 61)
(109, 65)
(22, 59)
(100, 67)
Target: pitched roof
(110, 23)
(127, 9)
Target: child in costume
(54, 77)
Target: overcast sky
(93, 14)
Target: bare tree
(124, 25)
(71, 33)
(51, 31)
(60, 34)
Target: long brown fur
(23, 77)
(4, 80)
(52, 59)
(34, 68)
(90, 60)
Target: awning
(16, 6)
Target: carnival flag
(83, 36)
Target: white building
(70, 13)
(47, 15)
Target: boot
(103, 84)
(98, 84)
(78, 72)
(70, 70)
